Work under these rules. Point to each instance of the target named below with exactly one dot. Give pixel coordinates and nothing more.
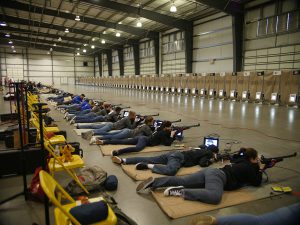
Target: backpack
(92, 178)
(35, 190)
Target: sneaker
(93, 140)
(72, 121)
(174, 191)
(117, 160)
(87, 135)
(141, 166)
(203, 220)
(99, 142)
(114, 153)
(145, 186)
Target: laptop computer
(211, 141)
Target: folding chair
(56, 165)
(55, 193)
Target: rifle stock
(270, 162)
(266, 161)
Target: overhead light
(77, 53)
(59, 39)
(173, 8)
(10, 42)
(14, 51)
(48, 53)
(102, 41)
(84, 50)
(3, 24)
(77, 18)
(104, 32)
(78, 48)
(7, 35)
(118, 34)
(120, 22)
(93, 39)
(92, 46)
(85, 45)
(139, 23)
(54, 44)
(12, 46)
(66, 30)
(51, 49)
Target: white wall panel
(37, 65)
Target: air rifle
(270, 162)
(182, 128)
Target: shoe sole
(167, 190)
(141, 187)
(116, 160)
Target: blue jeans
(81, 113)
(118, 134)
(104, 129)
(70, 107)
(171, 162)
(140, 143)
(91, 126)
(87, 119)
(205, 186)
(286, 215)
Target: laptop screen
(125, 113)
(211, 141)
(157, 123)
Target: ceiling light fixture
(59, 39)
(120, 22)
(3, 24)
(51, 49)
(84, 50)
(93, 39)
(54, 44)
(12, 46)
(139, 23)
(7, 35)
(104, 32)
(78, 48)
(173, 8)
(102, 41)
(77, 18)
(77, 53)
(118, 34)
(48, 53)
(10, 42)
(66, 30)
(14, 51)
(85, 45)
(92, 46)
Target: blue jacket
(85, 106)
(76, 100)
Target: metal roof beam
(22, 38)
(228, 6)
(136, 11)
(50, 12)
(54, 36)
(16, 20)
(37, 46)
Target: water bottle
(57, 150)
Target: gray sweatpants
(206, 185)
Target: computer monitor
(211, 141)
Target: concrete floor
(272, 130)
